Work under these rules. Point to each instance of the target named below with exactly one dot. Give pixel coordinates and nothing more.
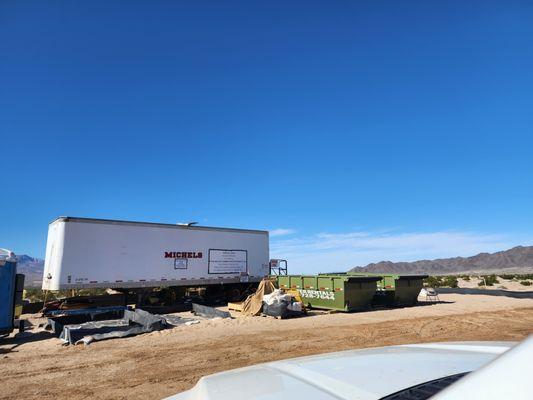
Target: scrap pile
(253, 305)
(84, 326)
(271, 302)
(132, 322)
(281, 304)
(89, 325)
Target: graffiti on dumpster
(317, 294)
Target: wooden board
(235, 306)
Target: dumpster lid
(408, 277)
(349, 277)
(363, 278)
(389, 275)
(7, 255)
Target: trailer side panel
(97, 253)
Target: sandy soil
(505, 284)
(159, 364)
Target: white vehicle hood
(356, 374)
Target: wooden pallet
(236, 306)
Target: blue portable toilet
(8, 290)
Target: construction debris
(209, 312)
(84, 302)
(58, 319)
(132, 323)
(176, 320)
(282, 305)
(254, 303)
(269, 301)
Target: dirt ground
(159, 364)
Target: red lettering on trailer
(183, 254)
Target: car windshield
(425, 390)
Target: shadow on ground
(9, 344)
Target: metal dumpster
(396, 290)
(332, 292)
(11, 286)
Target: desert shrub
(526, 283)
(440, 281)
(433, 281)
(508, 277)
(488, 280)
(450, 281)
(35, 295)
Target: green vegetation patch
(441, 281)
(488, 280)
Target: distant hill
(516, 260)
(32, 268)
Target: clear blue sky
(356, 131)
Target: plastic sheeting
(277, 296)
(282, 309)
(132, 323)
(281, 304)
(58, 319)
(209, 312)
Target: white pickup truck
(440, 371)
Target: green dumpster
(396, 290)
(332, 292)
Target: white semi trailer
(97, 253)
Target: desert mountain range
(516, 260)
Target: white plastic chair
(431, 294)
